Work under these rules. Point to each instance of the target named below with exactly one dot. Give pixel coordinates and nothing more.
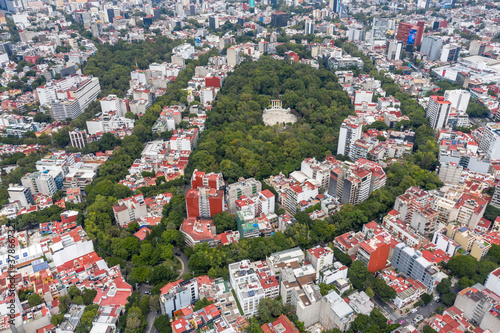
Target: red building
(32, 59)
(404, 32)
(209, 180)
(212, 82)
(375, 252)
(204, 202)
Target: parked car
(413, 310)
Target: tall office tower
(394, 50)
(450, 53)
(459, 99)
(335, 5)
(380, 27)
(350, 131)
(410, 33)
(437, 112)
(431, 45)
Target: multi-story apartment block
(320, 258)
(78, 138)
(437, 112)
(207, 180)
(22, 194)
(495, 199)
(47, 182)
(244, 187)
(129, 210)
(335, 312)
(468, 210)
(330, 274)
(196, 231)
(177, 295)
(278, 261)
(411, 263)
(493, 281)
(350, 131)
(246, 285)
(297, 193)
(490, 141)
(479, 306)
(184, 140)
(374, 252)
(349, 242)
(459, 99)
(353, 183)
(445, 243)
(400, 231)
(204, 202)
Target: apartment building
(479, 306)
(490, 141)
(245, 283)
(349, 242)
(184, 140)
(468, 210)
(78, 138)
(22, 194)
(438, 110)
(207, 180)
(400, 230)
(298, 193)
(350, 131)
(411, 263)
(196, 231)
(129, 210)
(46, 182)
(204, 202)
(374, 252)
(244, 187)
(320, 257)
(177, 295)
(335, 312)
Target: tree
(426, 298)
(201, 303)
(224, 221)
(64, 302)
(342, 257)
(57, 319)
(444, 286)
(162, 324)
(359, 275)
(448, 299)
(428, 329)
(34, 300)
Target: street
(184, 261)
(150, 319)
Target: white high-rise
(459, 99)
(490, 142)
(350, 131)
(438, 111)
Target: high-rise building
(490, 142)
(279, 19)
(335, 5)
(42, 182)
(394, 49)
(459, 99)
(356, 34)
(213, 22)
(423, 4)
(410, 33)
(244, 187)
(437, 112)
(350, 131)
(431, 45)
(21, 194)
(309, 27)
(380, 26)
(78, 138)
(495, 200)
(247, 288)
(450, 53)
(411, 263)
(204, 202)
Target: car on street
(401, 322)
(413, 310)
(147, 293)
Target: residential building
(459, 99)
(493, 281)
(495, 199)
(198, 231)
(490, 141)
(394, 49)
(437, 112)
(177, 295)
(349, 242)
(244, 187)
(320, 258)
(204, 202)
(468, 210)
(360, 302)
(374, 252)
(22, 194)
(350, 131)
(129, 210)
(298, 193)
(411, 263)
(245, 283)
(445, 243)
(208, 180)
(335, 312)
(78, 138)
(476, 302)
(450, 173)
(332, 273)
(280, 325)
(450, 53)
(43, 182)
